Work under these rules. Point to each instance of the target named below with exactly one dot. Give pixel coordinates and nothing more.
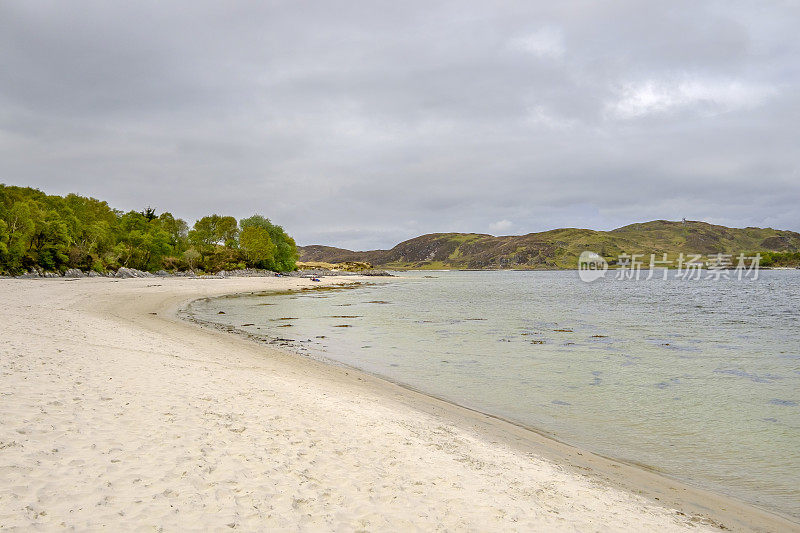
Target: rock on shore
(128, 273)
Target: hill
(560, 248)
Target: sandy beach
(117, 414)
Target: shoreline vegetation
(377, 455)
(47, 235)
(42, 233)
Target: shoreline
(138, 319)
(648, 480)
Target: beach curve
(119, 414)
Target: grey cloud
(362, 124)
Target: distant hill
(560, 248)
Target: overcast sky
(361, 124)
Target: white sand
(118, 418)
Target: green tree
(19, 229)
(192, 258)
(92, 225)
(149, 213)
(142, 243)
(257, 246)
(227, 231)
(286, 255)
(49, 241)
(3, 244)
(177, 230)
(214, 230)
(215, 238)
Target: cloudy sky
(360, 124)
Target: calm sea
(697, 379)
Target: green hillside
(560, 248)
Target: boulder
(126, 273)
(246, 273)
(373, 272)
(74, 273)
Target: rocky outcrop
(374, 272)
(130, 273)
(247, 273)
(37, 273)
(126, 273)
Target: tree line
(780, 259)
(55, 233)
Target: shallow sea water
(698, 379)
